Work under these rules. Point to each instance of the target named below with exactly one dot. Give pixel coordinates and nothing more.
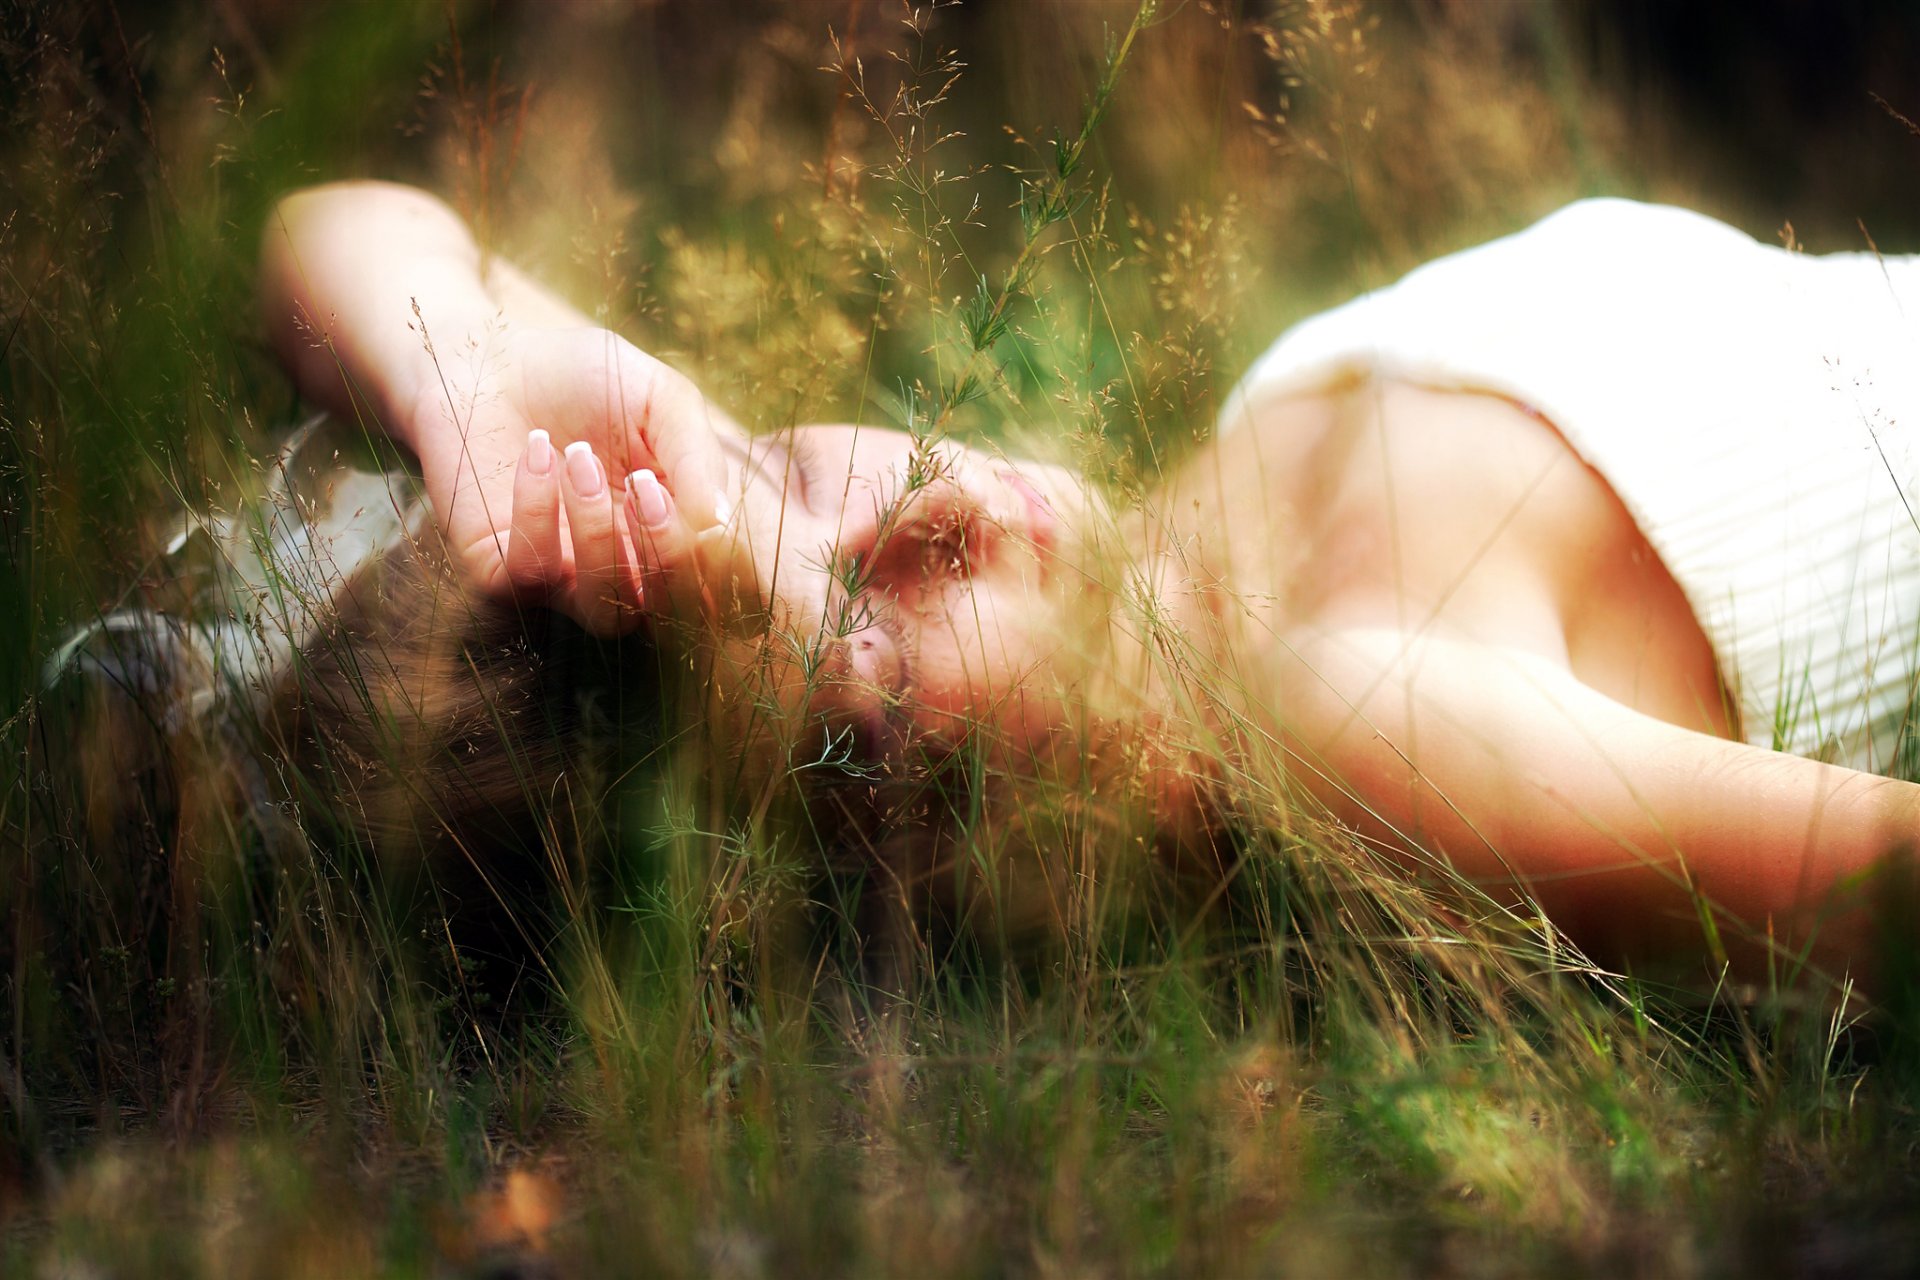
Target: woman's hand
(568, 468)
(528, 420)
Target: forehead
(860, 450)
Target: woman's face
(917, 587)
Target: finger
(663, 548)
(674, 432)
(602, 599)
(534, 561)
(635, 410)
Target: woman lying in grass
(1579, 564)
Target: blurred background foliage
(810, 205)
(700, 176)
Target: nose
(1043, 522)
(874, 656)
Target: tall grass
(318, 1039)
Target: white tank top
(1756, 411)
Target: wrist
(438, 342)
(449, 376)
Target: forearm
(1618, 824)
(343, 268)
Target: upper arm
(340, 269)
(357, 277)
(346, 237)
(1618, 824)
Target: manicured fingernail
(539, 452)
(649, 498)
(722, 510)
(589, 480)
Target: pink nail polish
(650, 498)
(589, 479)
(539, 452)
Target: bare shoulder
(1401, 497)
(1449, 511)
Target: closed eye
(935, 534)
(943, 545)
(951, 545)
